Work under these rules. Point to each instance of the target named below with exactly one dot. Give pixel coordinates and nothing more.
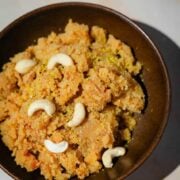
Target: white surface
(175, 175)
(164, 15)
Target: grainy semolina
(101, 78)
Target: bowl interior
(151, 123)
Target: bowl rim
(132, 23)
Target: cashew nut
(78, 115)
(109, 154)
(24, 66)
(56, 148)
(44, 104)
(60, 58)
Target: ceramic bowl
(22, 33)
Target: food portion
(68, 103)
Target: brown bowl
(22, 32)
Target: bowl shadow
(166, 156)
